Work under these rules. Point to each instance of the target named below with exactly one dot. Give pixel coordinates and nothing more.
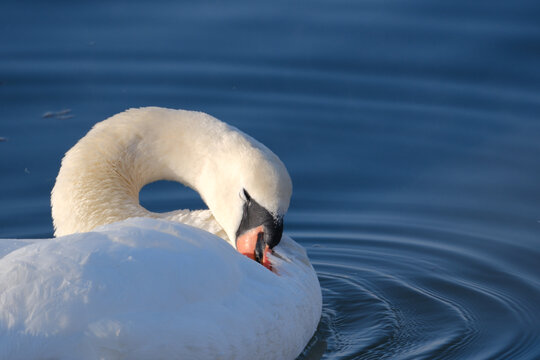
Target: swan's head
(251, 197)
(261, 227)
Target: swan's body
(159, 288)
(153, 289)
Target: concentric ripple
(404, 292)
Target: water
(410, 128)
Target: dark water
(410, 128)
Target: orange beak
(251, 244)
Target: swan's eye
(244, 195)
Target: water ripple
(410, 294)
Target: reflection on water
(410, 130)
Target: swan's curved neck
(101, 176)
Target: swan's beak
(259, 231)
(257, 243)
(251, 244)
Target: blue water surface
(411, 130)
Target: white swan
(152, 287)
